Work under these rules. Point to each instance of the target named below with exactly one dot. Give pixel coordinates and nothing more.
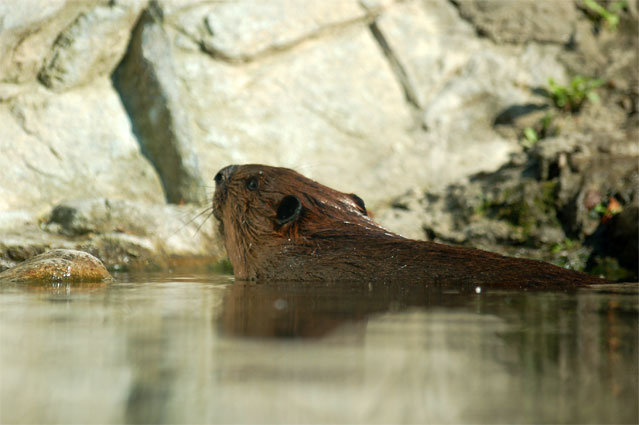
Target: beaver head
(268, 215)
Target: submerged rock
(58, 265)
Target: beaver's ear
(289, 209)
(359, 202)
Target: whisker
(209, 189)
(198, 215)
(203, 222)
(207, 209)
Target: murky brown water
(197, 348)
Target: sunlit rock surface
(123, 234)
(149, 87)
(58, 266)
(74, 144)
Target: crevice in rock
(410, 93)
(275, 49)
(217, 54)
(146, 82)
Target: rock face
(52, 149)
(544, 205)
(148, 85)
(138, 103)
(58, 266)
(522, 21)
(123, 234)
(63, 131)
(261, 86)
(90, 46)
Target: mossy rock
(58, 266)
(528, 207)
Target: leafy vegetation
(573, 96)
(610, 15)
(568, 98)
(544, 128)
(223, 267)
(530, 137)
(526, 207)
(565, 245)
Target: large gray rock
(291, 83)
(147, 83)
(29, 28)
(77, 142)
(521, 21)
(463, 84)
(245, 30)
(92, 45)
(336, 84)
(419, 33)
(430, 42)
(64, 43)
(463, 113)
(73, 144)
(300, 106)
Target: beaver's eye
(251, 184)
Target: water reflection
(536, 346)
(195, 349)
(311, 310)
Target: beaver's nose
(224, 174)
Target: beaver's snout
(222, 179)
(224, 175)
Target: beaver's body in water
(280, 225)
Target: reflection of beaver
(304, 309)
(296, 309)
(279, 225)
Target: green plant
(573, 96)
(530, 137)
(565, 245)
(542, 129)
(567, 98)
(482, 207)
(223, 267)
(600, 209)
(610, 15)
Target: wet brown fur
(333, 238)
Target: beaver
(279, 225)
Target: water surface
(198, 348)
